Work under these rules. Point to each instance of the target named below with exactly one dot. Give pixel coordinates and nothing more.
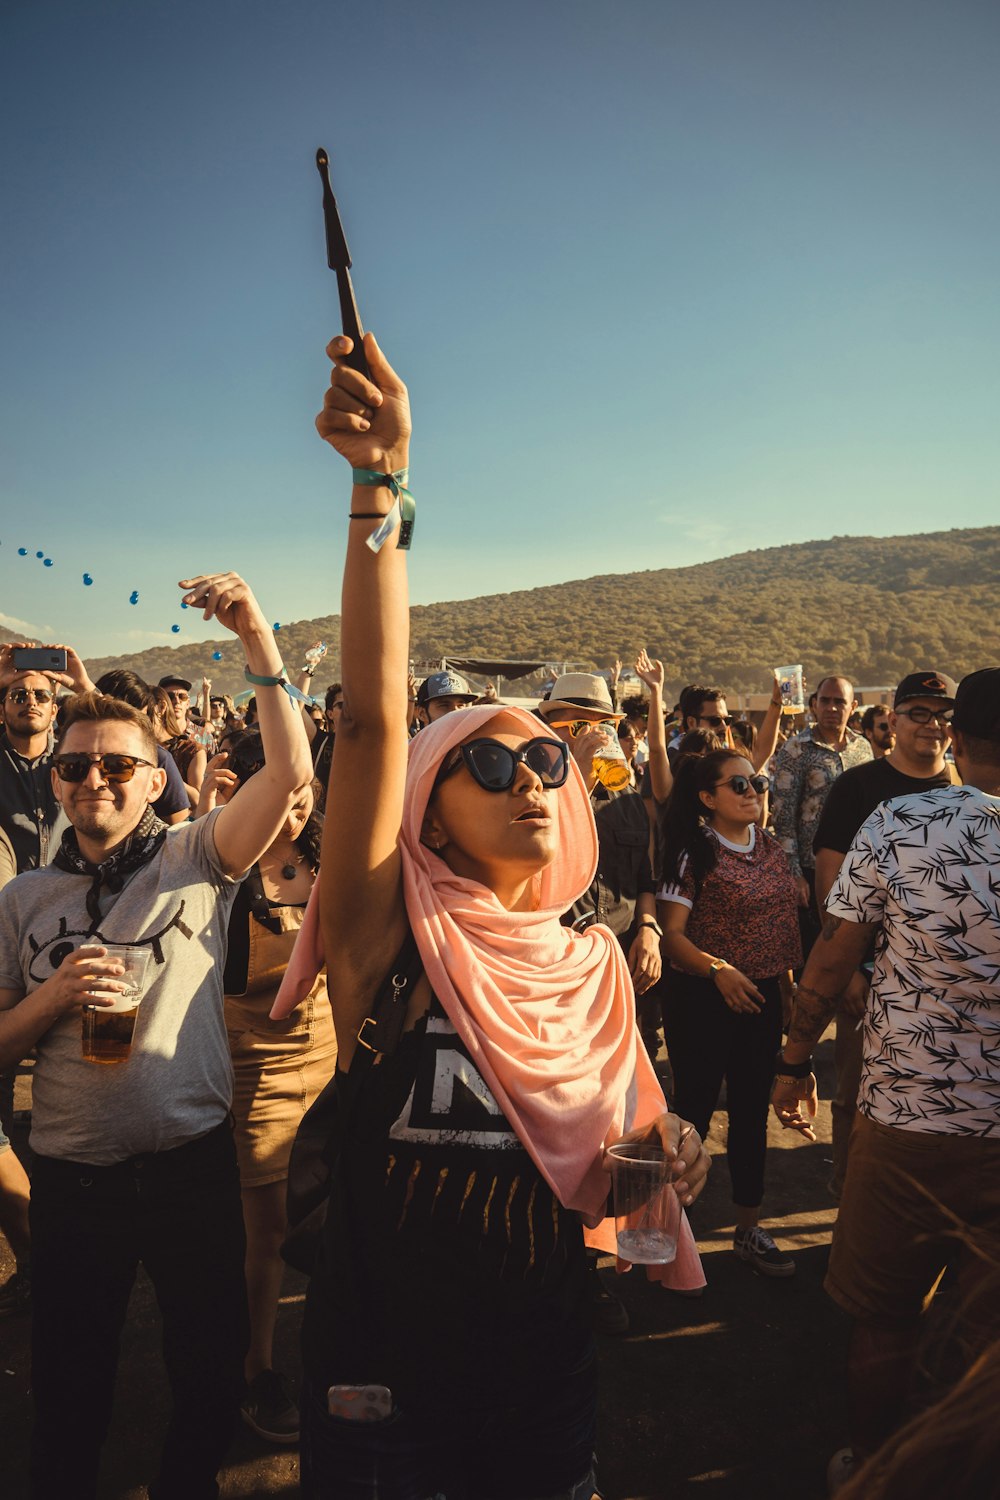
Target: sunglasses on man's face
(743, 784)
(21, 695)
(494, 766)
(717, 721)
(577, 727)
(115, 768)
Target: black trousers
(707, 1043)
(179, 1213)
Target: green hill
(872, 607)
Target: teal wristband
(282, 682)
(403, 512)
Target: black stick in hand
(339, 259)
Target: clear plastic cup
(108, 1029)
(647, 1210)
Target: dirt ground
(736, 1394)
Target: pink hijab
(546, 1014)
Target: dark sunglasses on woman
(742, 784)
(116, 768)
(494, 766)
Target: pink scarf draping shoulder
(546, 1014)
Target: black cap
(977, 705)
(181, 682)
(925, 684)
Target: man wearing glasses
(877, 730)
(29, 811)
(135, 1162)
(920, 733)
(805, 769)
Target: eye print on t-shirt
(48, 953)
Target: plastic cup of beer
(610, 765)
(647, 1210)
(108, 1029)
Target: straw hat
(580, 690)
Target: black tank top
(448, 1268)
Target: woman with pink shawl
(447, 1346)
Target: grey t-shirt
(178, 1082)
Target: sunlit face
(29, 706)
(495, 837)
(726, 802)
(180, 699)
(924, 742)
(101, 810)
(298, 813)
(881, 735)
(834, 706)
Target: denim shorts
(510, 1453)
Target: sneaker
(757, 1248)
(15, 1295)
(608, 1313)
(840, 1469)
(269, 1409)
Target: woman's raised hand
(648, 671)
(367, 421)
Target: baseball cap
(925, 684)
(444, 685)
(169, 682)
(977, 704)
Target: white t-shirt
(927, 868)
(178, 1082)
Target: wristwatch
(797, 1071)
(650, 922)
(715, 966)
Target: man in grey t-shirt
(135, 1162)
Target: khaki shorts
(912, 1203)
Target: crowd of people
(448, 930)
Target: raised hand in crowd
(661, 777)
(75, 678)
(218, 784)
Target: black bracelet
(793, 1070)
(367, 515)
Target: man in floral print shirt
(804, 770)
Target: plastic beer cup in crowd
(108, 1029)
(610, 765)
(647, 1210)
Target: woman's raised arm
(361, 909)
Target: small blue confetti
(47, 563)
(176, 629)
(276, 626)
(133, 598)
(22, 551)
(87, 580)
(216, 655)
(39, 554)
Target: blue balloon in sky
(39, 554)
(183, 605)
(133, 598)
(276, 626)
(176, 629)
(216, 655)
(87, 579)
(22, 551)
(47, 563)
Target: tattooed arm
(834, 957)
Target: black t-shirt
(856, 794)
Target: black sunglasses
(742, 784)
(116, 768)
(716, 720)
(494, 766)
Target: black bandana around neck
(138, 849)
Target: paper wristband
(403, 511)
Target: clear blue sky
(668, 279)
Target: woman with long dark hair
(728, 910)
(446, 1342)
